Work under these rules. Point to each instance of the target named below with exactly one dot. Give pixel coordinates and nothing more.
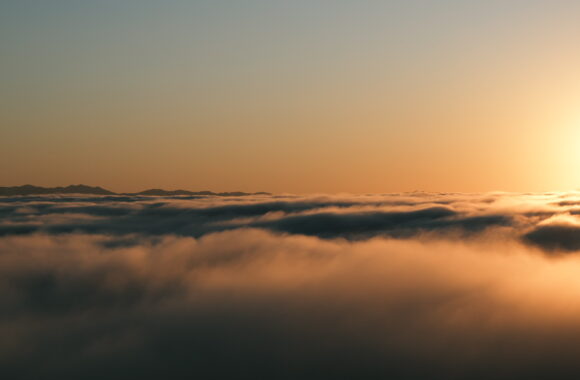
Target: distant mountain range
(90, 190)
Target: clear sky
(291, 96)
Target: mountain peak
(97, 190)
(39, 190)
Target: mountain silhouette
(161, 193)
(96, 190)
(38, 190)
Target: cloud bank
(401, 286)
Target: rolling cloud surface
(404, 286)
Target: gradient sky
(291, 96)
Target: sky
(291, 96)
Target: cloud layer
(376, 286)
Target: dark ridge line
(97, 190)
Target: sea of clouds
(402, 286)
